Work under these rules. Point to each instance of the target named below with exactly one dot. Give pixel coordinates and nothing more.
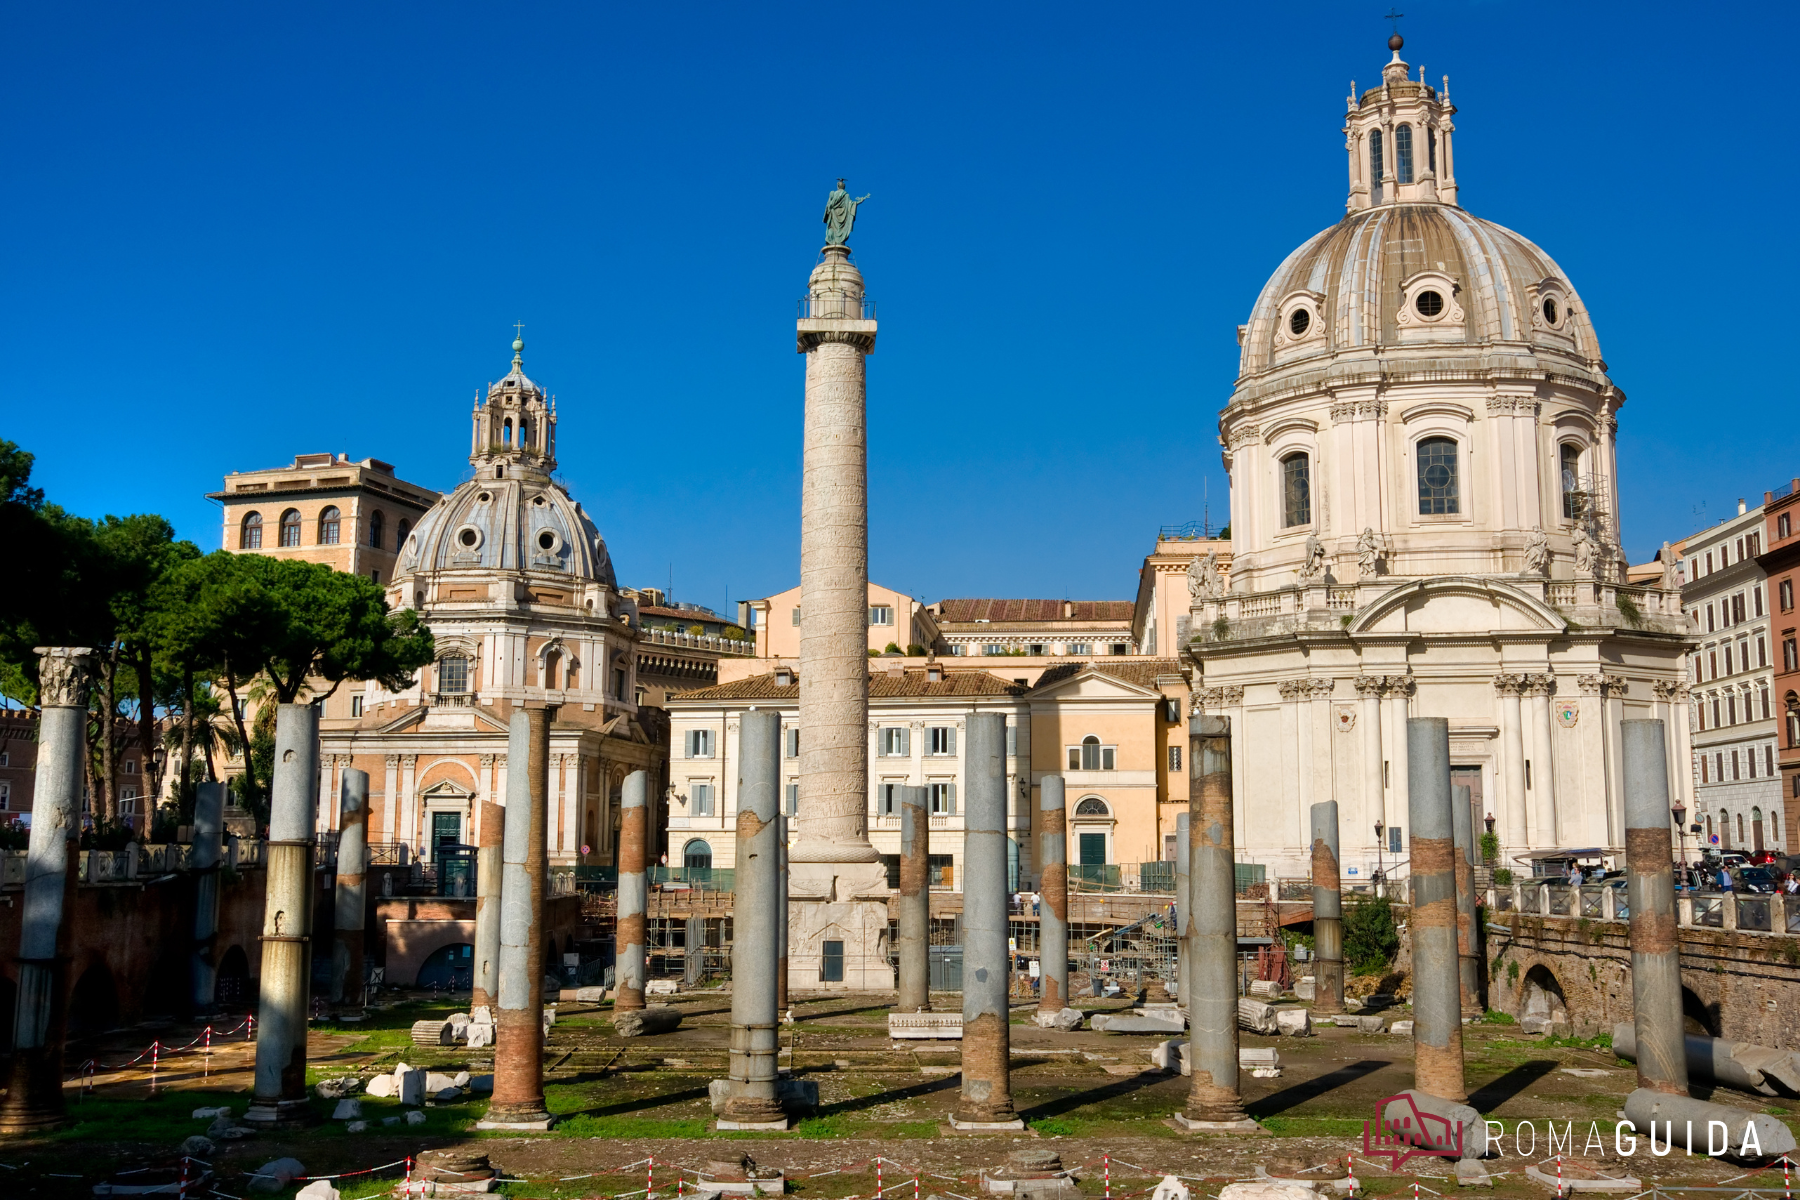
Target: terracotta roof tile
(1034, 610)
(1141, 671)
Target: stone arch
(233, 987)
(1484, 604)
(1542, 1006)
(94, 1003)
(1697, 1016)
(450, 967)
(168, 991)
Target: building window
(1296, 490)
(796, 616)
(880, 614)
(1437, 477)
(1121, 648)
(1765, 704)
(377, 524)
(1093, 806)
(943, 798)
(1790, 655)
(1734, 765)
(1091, 755)
(1768, 760)
(1431, 150)
(1375, 165)
(1737, 609)
(400, 532)
(699, 743)
(1786, 589)
(1080, 648)
(1756, 603)
(703, 799)
(831, 962)
(356, 703)
(1012, 738)
(1731, 710)
(1749, 760)
(1174, 758)
(793, 800)
(940, 740)
(1762, 647)
(1571, 478)
(1793, 728)
(992, 649)
(1782, 526)
(1403, 171)
(329, 522)
(5, 796)
(250, 532)
(290, 527)
(1396, 839)
(453, 673)
(893, 741)
(790, 739)
(887, 799)
(131, 766)
(1703, 778)
(697, 856)
(1036, 648)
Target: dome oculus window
(1299, 322)
(1438, 494)
(469, 537)
(549, 541)
(1552, 311)
(1296, 490)
(1429, 303)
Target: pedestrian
(1791, 884)
(1725, 884)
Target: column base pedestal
(779, 1126)
(280, 1114)
(511, 1118)
(846, 904)
(957, 1125)
(1187, 1124)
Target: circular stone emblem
(1568, 713)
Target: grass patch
(168, 1118)
(586, 1125)
(1286, 1126)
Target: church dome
(1419, 281)
(509, 525)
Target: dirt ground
(1094, 1098)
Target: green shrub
(1490, 848)
(1370, 939)
(891, 648)
(736, 633)
(914, 650)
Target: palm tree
(203, 729)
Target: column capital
(1214, 698)
(64, 674)
(487, 760)
(1368, 685)
(1292, 689)
(1321, 689)
(1399, 685)
(1509, 684)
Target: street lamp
(1378, 861)
(1679, 812)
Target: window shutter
(950, 798)
(905, 742)
(1012, 740)
(951, 733)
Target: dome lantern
(1398, 139)
(515, 430)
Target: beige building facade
(894, 619)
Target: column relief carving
(64, 673)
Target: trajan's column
(838, 921)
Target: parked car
(1759, 880)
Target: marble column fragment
(1468, 931)
(752, 1102)
(634, 891)
(914, 903)
(203, 860)
(34, 1096)
(1437, 1002)
(1328, 910)
(986, 1099)
(352, 868)
(1053, 897)
(518, 1101)
(279, 1097)
(1650, 883)
(490, 869)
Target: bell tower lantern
(1398, 139)
(515, 430)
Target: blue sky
(235, 233)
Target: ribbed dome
(509, 524)
(1424, 280)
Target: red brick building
(1781, 513)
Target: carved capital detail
(1214, 698)
(64, 673)
(1509, 684)
(1292, 689)
(1321, 689)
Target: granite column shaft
(987, 960)
(519, 1019)
(1650, 885)
(1053, 895)
(1437, 988)
(209, 837)
(914, 903)
(634, 890)
(352, 877)
(1328, 910)
(1213, 1098)
(755, 941)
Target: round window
(468, 537)
(547, 540)
(1300, 322)
(483, 498)
(1550, 310)
(1437, 475)
(1429, 303)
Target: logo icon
(1415, 1135)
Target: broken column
(1328, 911)
(1053, 899)
(752, 1102)
(1184, 899)
(519, 1017)
(209, 837)
(1468, 933)
(1650, 880)
(279, 1095)
(490, 868)
(914, 937)
(1437, 1001)
(1214, 1104)
(34, 1096)
(986, 1100)
(634, 891)
(1660, 1100)
(352, 865)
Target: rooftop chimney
(1741, 507)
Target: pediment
(1092, 684)
(1457, 604)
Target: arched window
(329, 522)
(377, 525)
(290, 527)
(1296, 490)
(1090, 753)
(1725, 829)
(250, 532)
(697, 856)
(1375, 165)
(400, 532)
(1431, 150)
(1093, 806)
(1437, 477)
(1756, 829)
(453, 674)
(507, 437)
(1570, 456)
(552, 661)
(524, 433)
(1403, 154)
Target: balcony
(835, 308)
(450, 699)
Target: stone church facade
(1421, 445)
(516, 584)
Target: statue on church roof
(840, 215)
(1586, 552)
(1537, 554)
(1368, 554)
(1313, 565)
(1204, 581)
